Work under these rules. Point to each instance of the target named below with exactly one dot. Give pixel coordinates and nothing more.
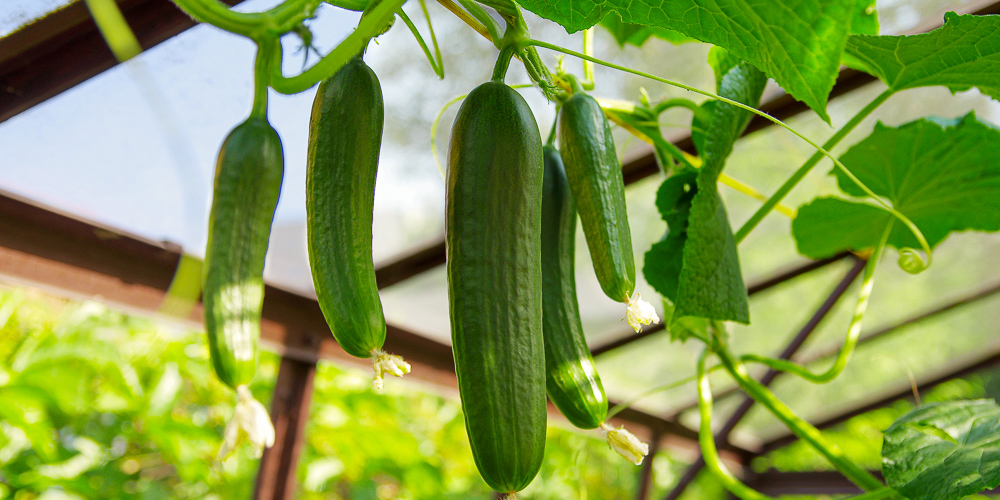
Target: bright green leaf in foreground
(797, 42)
(944, 451)
(962, 54)
(942, 174)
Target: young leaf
(944, 451)
(961, 54)
(637, 34)
(942, 174)
(707, 274)
(797, 42)
(663, 262)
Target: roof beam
(63, 49)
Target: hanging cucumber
(247, 182)
(493, 229)
(345, 133)
(571, 379)
(595, 177)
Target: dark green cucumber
(247, 183)
(595, 176)
(571, 378)
(493, 231)
(345, 134)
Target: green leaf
(798, 43)
(637, 34)
(942, 174)
(944, 451)
(663, 262)
(961, 54)
(711, 283)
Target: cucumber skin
(493, 232)
(247, 184)
(595, 177)
(572, 381)
(345, 133)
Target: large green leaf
(637, 34)
(942, 174)
(961, 54)
(944, 451)
(797, 42)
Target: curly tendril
(911, 261)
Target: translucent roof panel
(17, 13)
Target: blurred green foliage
(99, 404)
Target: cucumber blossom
(571, 379)
(247, 183)
(345, 134)
(595, 177)
(493, 230)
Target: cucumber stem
(261, 75)
(503, 62)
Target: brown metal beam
(289, 412)
(646, 473)
(63, 49)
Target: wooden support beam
(289, 412)
(63, 49)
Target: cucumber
(493, 232)
(247, 183)
(345, 133)
(595, 177)
(571, 379)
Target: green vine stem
(707, 442)
(437, 63)
(853, 330)
(883, 204)
(503, 62)
(371, 25)
(216, 13)
(261, 72)
(802, 429)
(588, 66)
(485, 19)
(799, 174)
(466, 18)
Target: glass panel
(17, 13)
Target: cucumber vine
(510, 36)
